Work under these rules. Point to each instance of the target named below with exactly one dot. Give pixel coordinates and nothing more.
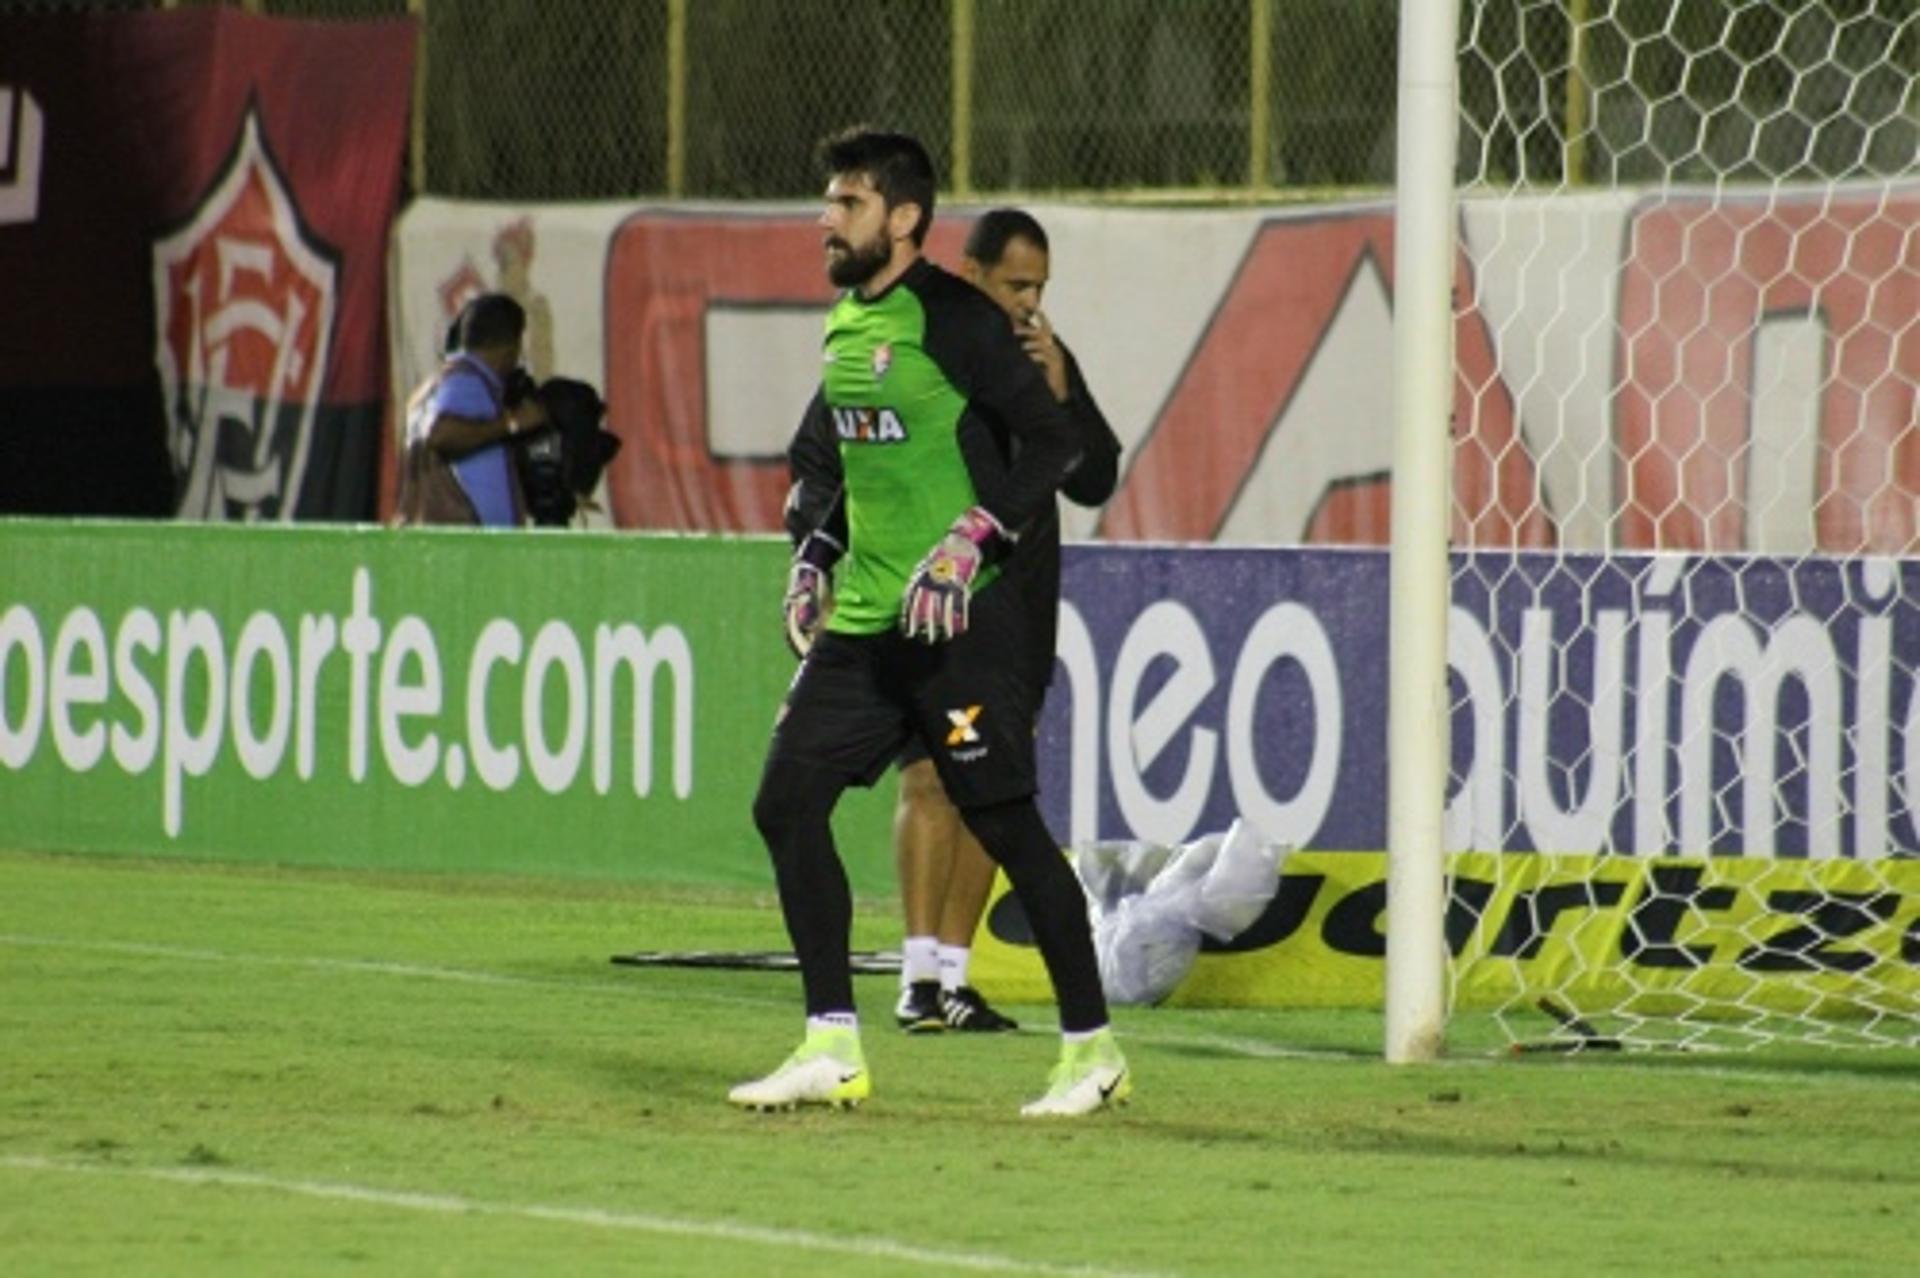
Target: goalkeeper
(948, 440)
(945, 877)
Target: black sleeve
(813, 460)
(1091, 482)
(969, 337)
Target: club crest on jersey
(882, 360)
(869, 426)
(245, 296)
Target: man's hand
(809, 590)
(1036, 335)
(941, 588)
(525, 417)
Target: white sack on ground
(1150, 904)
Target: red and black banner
(194, 210)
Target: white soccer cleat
(828, 1069)
(1091, 1076)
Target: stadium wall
(596, 704)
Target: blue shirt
(468, 388)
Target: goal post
(1677, 279)
(1417, 623)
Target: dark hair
(987, 241)
(897, 165)
(489, 320)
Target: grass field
(221, 1070)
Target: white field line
(1258, 1049)
(368, 967)
(588, 1217)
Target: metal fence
(1163, 99)
(723, 99)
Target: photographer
(457, 467)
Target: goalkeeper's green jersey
(932, 407)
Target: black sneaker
(918, 1010)
(965, 1009)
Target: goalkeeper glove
(809, 590)
(941, 588)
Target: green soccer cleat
(828, 1069)
(1091, 1075)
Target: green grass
(221, 1070)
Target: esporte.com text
(183, 691)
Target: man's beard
(857, 264)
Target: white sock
(919, 959)
(1081, 1036)
(953, 966)
(833, 1021)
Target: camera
(560, 463)
(543, 478)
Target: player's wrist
(819, 550)
(979, 526)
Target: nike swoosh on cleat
(848, 1078)
(1106, 1093)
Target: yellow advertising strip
(1663, 936)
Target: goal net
(1684, 786)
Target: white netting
(1686, 603)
